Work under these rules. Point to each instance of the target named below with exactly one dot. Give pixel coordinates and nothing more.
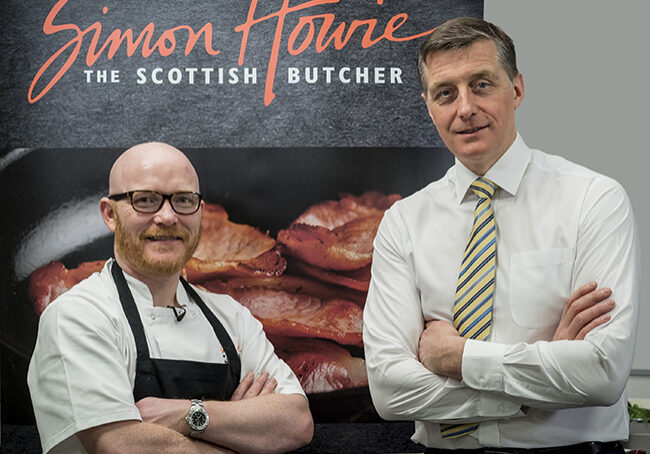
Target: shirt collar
(142, 295)
(507, 172)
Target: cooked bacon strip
(229, 249)
(321, 366)
(299, 315)
(337, 235)
(358, 279)
(50, 281)
(345, 248)
(292, 284)
(331, 214)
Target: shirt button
(482, 381)
(153, 316)
(501, 407)
(194, 315)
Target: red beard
(131, 247)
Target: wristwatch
(197, 418)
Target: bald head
(153, 166)
(152, 245)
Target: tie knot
(484, 188)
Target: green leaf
(637, 412)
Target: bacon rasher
(298, 314)
(230, 249)
(50, 281)
(331, 214)
(344, 248)
(337, 235)
(292, 284)
(321, 366)
(332, 241)
(358, 279)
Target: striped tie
(475, 290)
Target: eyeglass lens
(150, 202)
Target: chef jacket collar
(142, 295)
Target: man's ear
(108, 213)
(518, 85)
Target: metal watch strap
(196, 406)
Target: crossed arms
(441, 347)
(420, 369)
(255, 420)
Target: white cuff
(483, 371)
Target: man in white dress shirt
(546, 371)
(134, 359)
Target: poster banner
(304, 123)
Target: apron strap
(132, 315)
(131, 312)
(219, 330)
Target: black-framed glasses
(152, 201)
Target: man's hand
(251, 386)
(441, 349)
(586, 308)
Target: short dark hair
(461, 33)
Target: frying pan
(50, 199)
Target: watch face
(198, 419)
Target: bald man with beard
(117, 369)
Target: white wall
(587, 75)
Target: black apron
(178, 379)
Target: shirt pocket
(539, 284)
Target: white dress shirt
(82, 370)
(559, 226)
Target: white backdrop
(585, 66)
